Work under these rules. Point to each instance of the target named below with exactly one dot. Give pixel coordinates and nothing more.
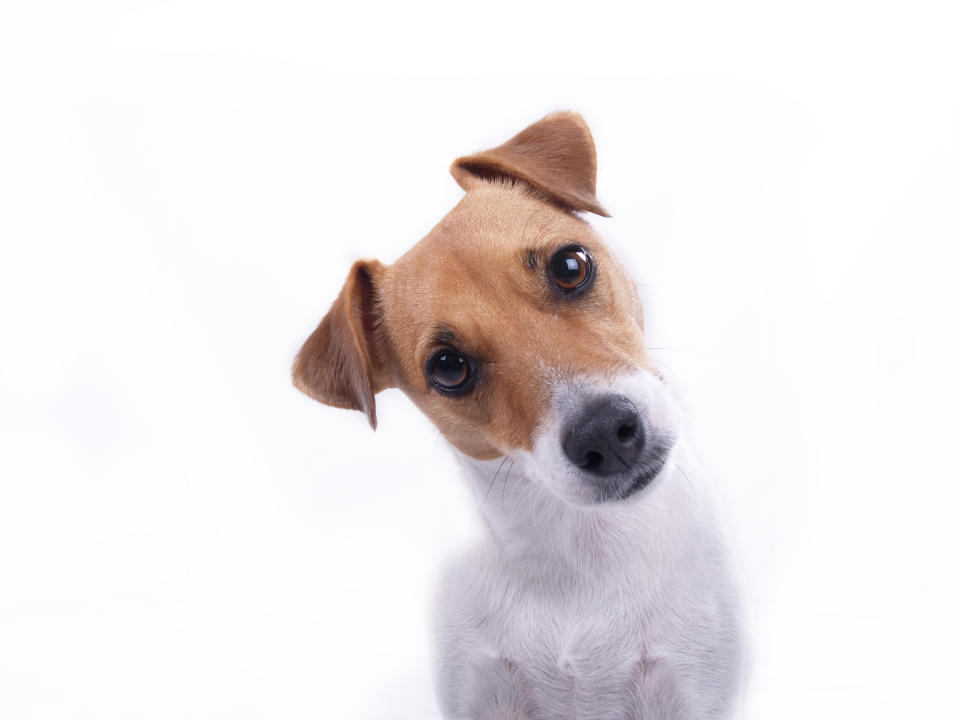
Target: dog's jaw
(533, 526)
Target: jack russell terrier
(603, 589)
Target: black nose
(606, 437)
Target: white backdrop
(183, 187)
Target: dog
(603, 588)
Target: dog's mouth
(646, 476)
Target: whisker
(684, 473)
(503, 488)
(499, 468)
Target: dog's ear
(555, 155)
(339, 364)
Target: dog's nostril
(606, 437)
(627, 432)
(592, 461)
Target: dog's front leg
(483, 688)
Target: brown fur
(478, 283)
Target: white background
(183, 187)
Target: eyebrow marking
(443, 335)
(531, 259)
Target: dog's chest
(583, 648)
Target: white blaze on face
(547, 463)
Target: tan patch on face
(478, 284)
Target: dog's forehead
(490, 233)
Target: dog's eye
(449, 371)
(571, 268)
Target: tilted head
(511, 325)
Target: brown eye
(571, 268)
(449, 371)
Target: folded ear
(555, 155)
(339, 364)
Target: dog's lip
(646, 475)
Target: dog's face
(511, 326)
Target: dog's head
(511, 325)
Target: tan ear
(339, 364)
(556, 156)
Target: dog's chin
(626, 488)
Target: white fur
(574, 608)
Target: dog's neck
(531, 526)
